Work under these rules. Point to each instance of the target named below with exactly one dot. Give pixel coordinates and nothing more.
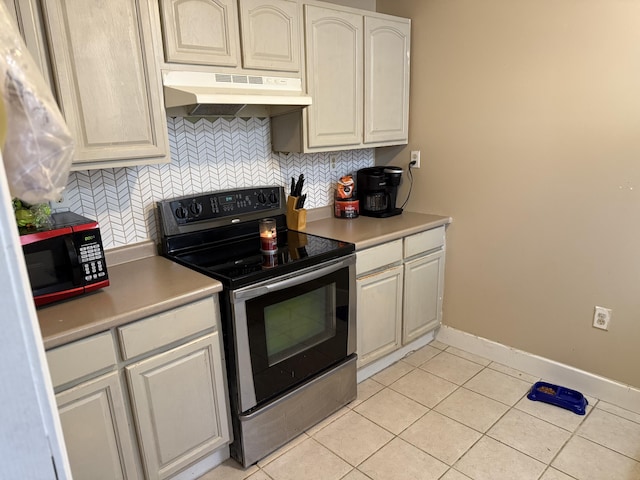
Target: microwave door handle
(73, 258)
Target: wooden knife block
(296, 217)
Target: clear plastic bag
(38, 148)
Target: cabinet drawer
(379, 256)
(167, 327)
(79, 359)
(423, 242)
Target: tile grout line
(482, 434)
(430, 409)
(576, 434)
(573, 434)
(547, 465)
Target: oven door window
(295, 325)
(297, 332)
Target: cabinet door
(96, 431)
(423, 287)
(270, 34)
(201, 32)
(27, 17)
(379, 298)
(13, 13)
(334, 76)
(386, 88)
(108, 80)
(180, 407)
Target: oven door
(289, 329)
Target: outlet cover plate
(415, 157)
(601, 318)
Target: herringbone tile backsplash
(206, 156)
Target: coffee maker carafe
(378, 190)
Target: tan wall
(527, 114)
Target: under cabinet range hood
(228, 94)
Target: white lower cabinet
(177, 398)
(96, 430)
(152, 410)
(379, 301)
(399, 292)
(423, 284)
(379, 313)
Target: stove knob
(273, 198)
(196, 208)
(181, 212)
(262, 198)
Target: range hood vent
(224, 94)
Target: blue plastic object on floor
(559, 396)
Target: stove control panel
(221, 205)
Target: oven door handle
(258, 290)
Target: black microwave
(66, 259)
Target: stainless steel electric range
(288, 316)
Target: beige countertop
(138, 288)
(367, 232)
(144, 284)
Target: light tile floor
(442, 413)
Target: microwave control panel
(91, 256)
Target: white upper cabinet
(248, 34)
(13, 12)
(357, 71)
(200, 31)
(334, 76)
(386, 88)
(26, 17)
(270, 35)
(108, 81)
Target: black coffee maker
(378, 190)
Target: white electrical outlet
(601, 318)
(415, 157)
(61, 204)
(332, 161)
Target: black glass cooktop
(217, 234)
(240, 262)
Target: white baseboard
(547, 370)
(382, 363)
